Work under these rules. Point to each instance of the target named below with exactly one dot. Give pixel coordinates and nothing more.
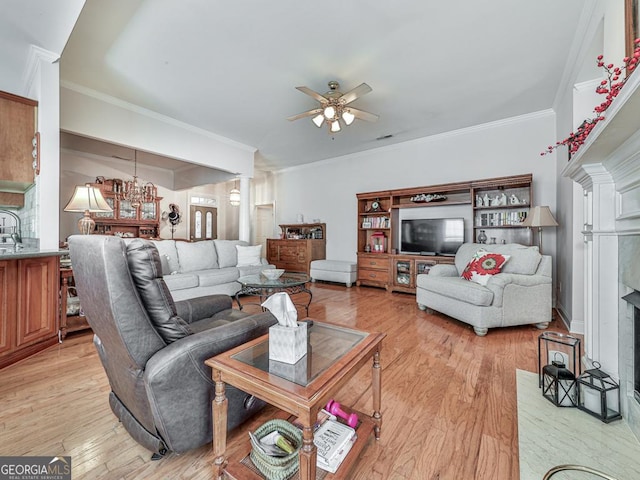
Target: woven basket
(277, 468)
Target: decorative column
(244, 221)
(601, 268)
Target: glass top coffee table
(334, 355)
(263, 287)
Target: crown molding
(116, 102)
(32, 69)
(427, 139)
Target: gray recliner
(153, 349)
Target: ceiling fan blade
(360, 90)
(313, 94)
(362, 115)
(308, 113)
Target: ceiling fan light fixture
(318, 120)
(348, 117)
(330, 112)
(335, 126)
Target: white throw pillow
(249, 255)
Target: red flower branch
(610, 87)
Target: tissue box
(287, 344)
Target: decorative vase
(482, 237)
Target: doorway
(203, 224)
(264, 218)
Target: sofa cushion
(146, 271)
(195, 256)
(456, 288)
(217, 276)
(227, 253)
(249, 255)
(483, 266)
(168, 255)
(524, 260)
(181, 281)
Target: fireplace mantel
(607, 166)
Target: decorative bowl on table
(273, 273)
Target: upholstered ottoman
(333, 271)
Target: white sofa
(196, 269)
(520, 294)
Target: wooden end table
(334, 355)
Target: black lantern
(559, 384)
(599, 394)
(556, 346)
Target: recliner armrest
(190, 352)
(198, 308)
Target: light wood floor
(448, 403)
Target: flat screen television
(431, 236)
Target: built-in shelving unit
(498, 206)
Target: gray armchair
(519, 295)
(153, 349)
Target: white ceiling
(232, 67)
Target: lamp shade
(87, 198)
(540, 217)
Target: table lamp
(87, 199)
(540, 217)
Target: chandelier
(134, 192)
(234, 195)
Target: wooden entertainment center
(498, 206)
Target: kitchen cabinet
(29, 311)
(17, 132)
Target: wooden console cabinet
(29, 311)
(302, 243)
(405, 268)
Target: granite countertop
(8, 253)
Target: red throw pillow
(483, 266)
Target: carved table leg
(307, 454)
(219, 414)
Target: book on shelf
(333, 440)
(332, 465)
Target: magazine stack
(333, 441)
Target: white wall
(603, 34)
(94, 115)
(327, 190)
(44, 85)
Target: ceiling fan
(334, 106)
